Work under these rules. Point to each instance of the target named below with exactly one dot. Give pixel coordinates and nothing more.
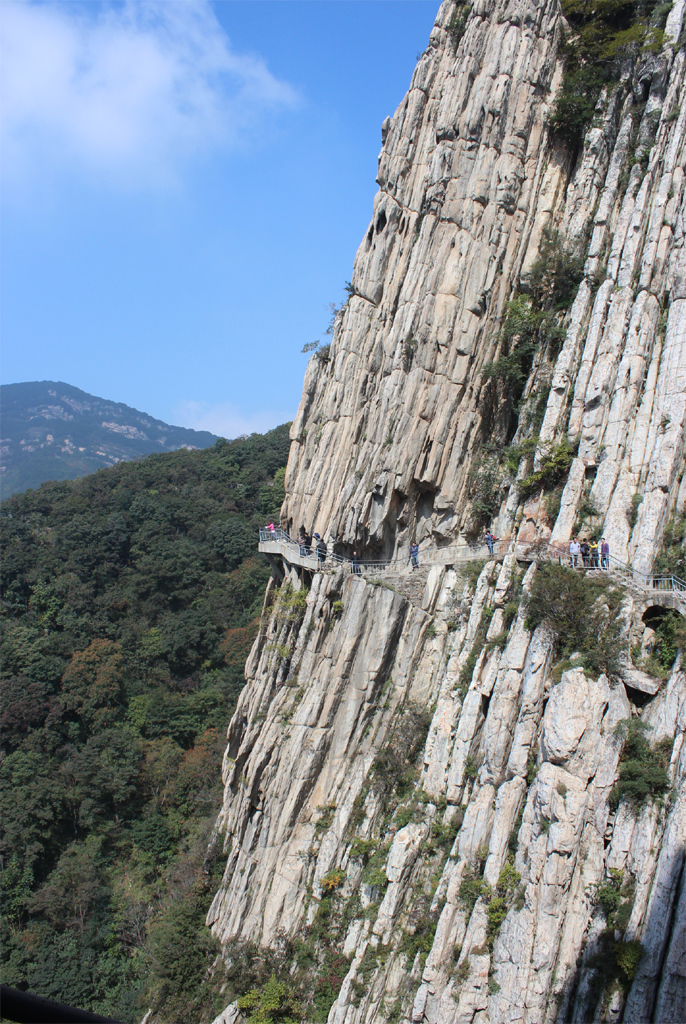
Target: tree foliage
(602, 35)
(556, 460)
(643, 770)
(672, 555)
(274, 1002)
(129, 601)
(581, 612)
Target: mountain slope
(53, 431)
(123, 643)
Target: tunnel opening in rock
(654, 615)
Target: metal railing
(647, 581)
(468, 552)
(457, 552)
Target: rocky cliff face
(390, 423)
(421, 766)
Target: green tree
(73, 887)
(107, 773)
(92, 684)
(274, 1002)
(161, 759)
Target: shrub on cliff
(556, 460)
(616, 896)
(672, 556)
(485, 490)
(642, 769)
(556, 273)
(669, 639)
(602, 35)
(394, 769)
(457, 25)
(581, 612)
(532, 320)
(274, 1002)
(526, 328)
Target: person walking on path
(414, 554)
(302, 540)
(307, 546)
(355, 565)
(321, 550)
(604, 554)
(593, 548)
(490, 541)
(586, 554)
(574, 551)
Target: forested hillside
(129, 601)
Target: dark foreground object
(28, 1009)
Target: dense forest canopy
(129, 601)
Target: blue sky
(185, 185)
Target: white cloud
(129, 91)
(225, 420)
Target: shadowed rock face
(521, 755)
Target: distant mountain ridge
(54, 431)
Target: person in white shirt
(574, 551)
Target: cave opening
(664, 636)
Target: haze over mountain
(54, 431)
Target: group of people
(589, 554)
(305, 544)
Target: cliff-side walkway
(278, 543)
